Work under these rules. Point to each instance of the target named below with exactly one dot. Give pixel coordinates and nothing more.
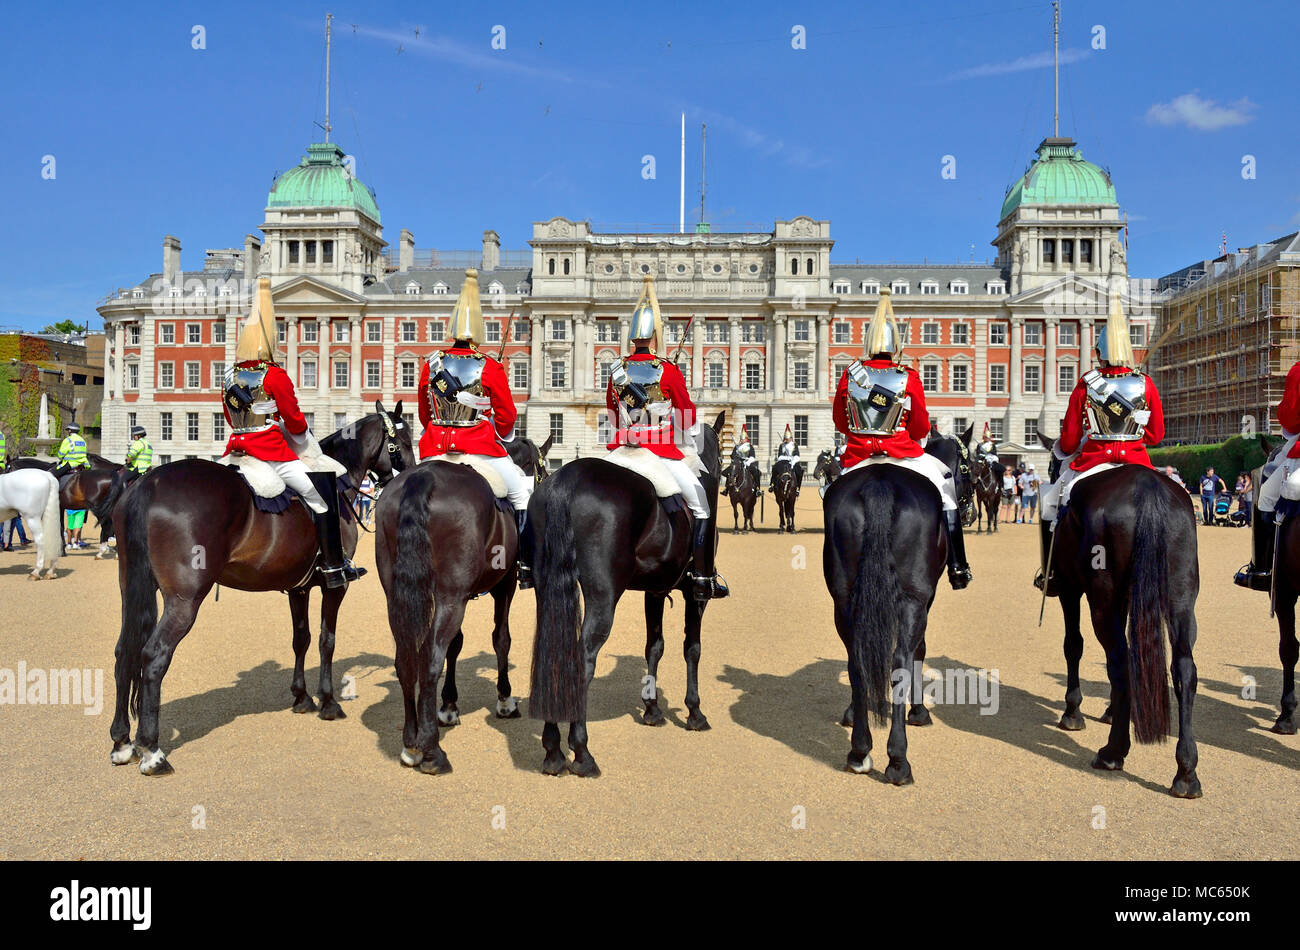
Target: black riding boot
(1045, 574)
(959, 575)
(798, 479)
(708, 583)
(335, 569)
(525, 570)
(1258, 574)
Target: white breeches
(1281, 477)
(519, 487)
(1057, 494)
(294, 474)
(690, 487)
(924, 464)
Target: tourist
(1211, 485)
(1009, 488)
(1029, 493)
(1245, 495)
(364, 500)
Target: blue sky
(151, 136)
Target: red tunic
(479, 439)
(661, 439)
(270, 445)
(1096, 451)
(1288, 410)
(905, 443)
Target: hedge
(1228, 459)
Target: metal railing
(426, 259)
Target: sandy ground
(254, 780)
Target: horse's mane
(347, 451)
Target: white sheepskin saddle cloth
(649, 466)
(261, 476)
(480, 465)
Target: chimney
(406, 252)
(491, 250)
(172, 260)
(252, 253)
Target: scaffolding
(1233, 333)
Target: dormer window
(439, 288)
(958, 287)
(996, 287)
(200, 291)
(137, 293)
(495, 288)
(900, 287)
(841, 286)
(412, 287)
(929, 287)
(870, 287)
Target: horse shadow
(260, 689)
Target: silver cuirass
(877, 399)
(246, 399)
(637, 385)
(448, 371)
(1111, 402)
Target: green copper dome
(321, 180)
(1060, 176)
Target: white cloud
(1033, 61)
(1204, 115)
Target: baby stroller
(1223, 510)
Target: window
(960, 334)
(340, 421)
(166, 333)
(310, 332)
(997, 429)
(1067, 334)
(293, 252)
(801, 374)
(751, 429)
(521, 331)
(566, 266)
(960, 377)
(132, 375)
(550, 266)
(751, 332)
(841, 286)
(1265, 297)
(801, 331)
(716, 332)
(557, 428)
(133, 334)
(811, 268)
(929, 288)
(1067, 250)
(406, 369)
(219, 332)
(603, 370)
(493, 331)
(959, 424)
(372, 374)
(604, 429)
(930, 334)
(218, 427)
(192, 426)
(606, 331)
(1049, 250)
(437, 331)
(308, 374)
(166, 376)
(165, 427)
(1065, 373)
(193, 333)
(801, 429)
(870, 286)
(899, 287)
(996, 287)
(440, 288)
(1033, 378)
(327, 252)
(559, 329)
(340, 374)
(559, 374)
(1137, 334)
(280, 331)
(1085, 250)
(843, 333)
(753, 375)
(794, 266)
(412, 288)
(519, 375)
(1218, 310)
(930, 377)
(717, 375)
(997, 334)
(1033, 334)
(193, 378)
(838, 369)
(408, 331)
(342, 331)
(374, 331)
(997, 379)
(958, 287)
(1031, 431)
(309, 251)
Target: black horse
(827, 469)
(192, 524)
(1128, 542)
(988, 492)
(630, 540)
(530, 456)
(742, 491)
(783, 490)
(441, 539)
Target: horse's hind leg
(654, 651)
(859, 759)
(331, 598)
(911, 626)
(1110, 631)
(1072, 719)
(449, 712)
(302, 701)
(598, 618)
(502, 595)
(406, 662)
(177, 619)
(1288, 651)
(695, 720)
(1182, 637)
(447, 618)
(917, 714)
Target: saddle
(490, 474)
(270, 493)
(649, 466)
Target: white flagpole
(681, 199)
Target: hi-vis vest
(877, 399)
(140, 457)
(1110, 405)
(449, 374)
(72, 452)
(249, 404)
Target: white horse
(34, 494)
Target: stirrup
(1252, 579)
(333, 577)
(525, 576)
(960, 578)
(1040, 582)
(710, 588)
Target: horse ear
(379, 406)
(1046, 440)
(965, 436)
(546, 446)
(397, 410)
(718, 422)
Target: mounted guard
(788, 452)
(743, 454)
(1279, 493)
(1113, 414)
(879, 405)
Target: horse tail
(139, 594)
(1150, 610)
(52, 526)
(410, 603)
(556, 693)
(874, 602)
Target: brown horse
(192, 524)
(85, 489)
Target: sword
(1047, 572)
(682, 341)
(505, 337)
(1272, 578)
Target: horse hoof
(696, 722)
(919, 716)
(437, 764)
(1186, 787)
(1106, 717)
(899, 774)
(123, 752)
(508, 708)
(653, 716)
(585, 768)
(1285, 726)
(449, 716)
(33, 577)
(1107, 765)
(304, 704)
(155, 763)
(411, 757)
(847, 718)
(1072, 722)
(331, 710)
(555, 763)
(858, 768)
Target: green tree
(63, 326)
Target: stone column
(623, 324)
(697, 354)
(388, 366)
(823, 356)
(354, 373)
(535, 353)
(323, 368)
(778, 356)
(1085, 344)
(1052, 328)
(1016, 371)
(291, 343)
(733, 329)
(119, 357)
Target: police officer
(466, 405)
(72, 454)
(139, 458)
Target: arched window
(794, 265)
(550, 266)
(566, 266)
(810, 266)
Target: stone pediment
(310, 290)
(1074, 296)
